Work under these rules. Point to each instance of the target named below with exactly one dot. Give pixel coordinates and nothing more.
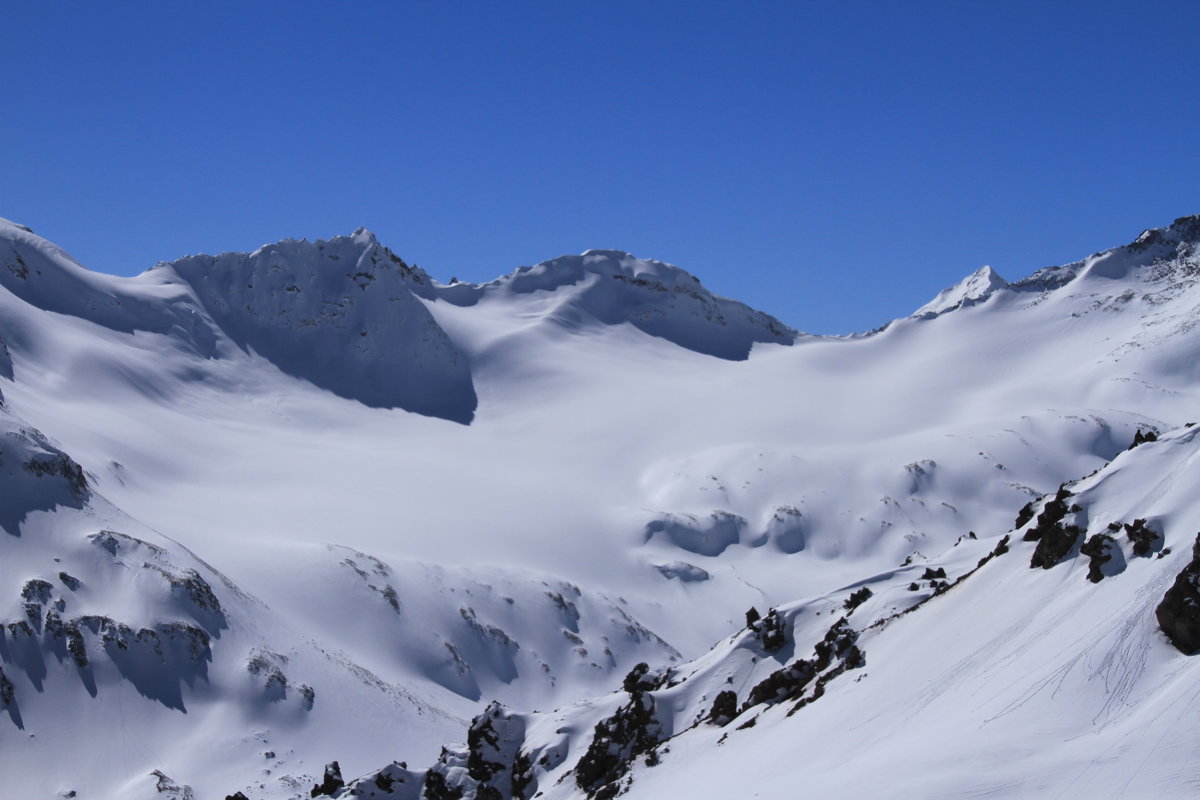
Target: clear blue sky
(833, 163)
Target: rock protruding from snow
(1056, 536)
(342, 314)
(331, 782)
(395, 781)
(1182, 230)
(1179, 612)
(616, 742)
(37, 476)
(975, 288)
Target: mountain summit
(974, 288)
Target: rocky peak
(974, 288)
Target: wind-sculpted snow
(342, 314)
(480, 634)
(43, 275)
(613, 287)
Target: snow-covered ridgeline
(345, 579)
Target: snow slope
(519, 490)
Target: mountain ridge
(381, 576)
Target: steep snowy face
(342, 314)
(614, 287)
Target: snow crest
(341, 314)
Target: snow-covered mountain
(266, 511)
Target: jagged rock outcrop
(724, 708)
(789, 683)
(331, 781)
(1143, 537)
(1179, 612)
(1099, 550)
(616, 742)
(493, 741)
(771, 631)
(1055, 538)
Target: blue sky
(833, 163)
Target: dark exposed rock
(523, 779)
(1055, 539)
(1052, 514)
(436, 788)
(724, 708)
(1055, 544)
(61, 466)
(7, 692)
(772, 632)
(616, 742)
(331, 783)
(839, 642)
(1000, 549)
(20, 629)
(267, 665)
(75, 645)
(857, 598)
(491, 767)
(198, 641)
(782, 684)
(1179, 612)
(1024, 515)
(1098, 549)
(54, 624)
(69, 581)
(236, 796)
(932, 574)
(790, 682)
(493, 740)
(636, 680)
(1142, 438)
(37, 591)
(196, 591)
(1143, 538)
